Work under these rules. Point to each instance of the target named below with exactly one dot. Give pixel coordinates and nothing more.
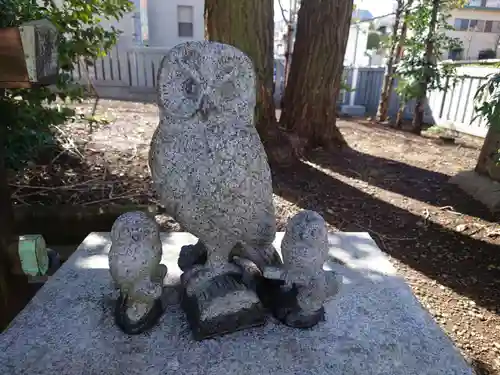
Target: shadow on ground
(455, 260)
(404, 179)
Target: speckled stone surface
(134, 261)
(208, 164)
(373, 326)
(305, 250)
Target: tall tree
(249, 26)
(383, 107)
(290, 21)
(487, 106)
(315, 73)
(429, 61)
(419, 69)
(398, 55)
(6, 230)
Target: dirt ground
(391, 184)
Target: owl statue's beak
(205, 106)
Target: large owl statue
(208, 164)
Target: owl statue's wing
(247, 180)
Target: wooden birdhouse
(28, 55)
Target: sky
(376, 7)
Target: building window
(185, 21)
(495, 27)
(461, 24)
(492, 4)
(477, 3)
(456, 54)
(480, 26)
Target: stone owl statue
(134, 263)
(301, 286)
(207, 161)
(211, 173)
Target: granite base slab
(373, 326)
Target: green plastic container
(33, 254)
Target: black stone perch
(203, 309)
(281, 301)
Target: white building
(477, 25)
(175, 21)
(160, 23)
(356, 52)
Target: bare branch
(283, 12)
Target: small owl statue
(303, 286)
(134, 264)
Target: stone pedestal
(373, 326)
(481, 188)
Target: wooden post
(20, 67)
(6, 229)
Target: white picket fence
(131, 73)
(123, 73)
(452, 109)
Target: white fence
(131, 73)
(453, 108)
(123, 72)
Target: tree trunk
(399, 55)
(315, 73)
(288, 57)
(399, 116)
(418, 116)
(291, 24)
(397, 60)
(6, 234)
(383, 107)
(487, 161)
(249, 26)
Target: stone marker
(373, 326)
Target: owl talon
(219, 268)
(192, 255)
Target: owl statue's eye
(190, 87)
